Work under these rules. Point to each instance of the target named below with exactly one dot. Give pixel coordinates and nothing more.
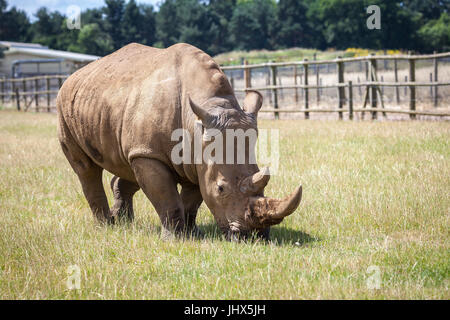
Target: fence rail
(374, 88)
(25, 92)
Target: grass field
(292, 54)
(376, 196)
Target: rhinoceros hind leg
(123, 191)
(90, 176)
(192, 199)
(160, 187)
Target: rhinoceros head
(234, 192)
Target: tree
(429, 9)
(221, 13)
(132, 23)
(294, 30)
(435, 35)
(114, 11)
(14, 24)
(50, 29)
(92, 40)
(197, 25)
(148, 26)
(252, 25)
(167, 24)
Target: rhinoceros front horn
(267, 211)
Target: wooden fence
(25, 92)
(373, 86)
(17, 91)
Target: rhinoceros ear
(201, 112)
(253, 102)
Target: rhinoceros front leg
(160, 187)
(123, 191)
(192, 199)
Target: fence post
(48, 93)
(268, 81)
(397, 94)
(247, 76)
(24, 86)
(274, 90)
(295, 83)
(36, 95)
(366, 68)
(406, 89)
(350, 100)
(359, 87)
(341, 90)
(412, 89)
(305, 66)
(431, 87)
(435, 65)
(373, 72)
(2, 81)
(280, 83)
(17, 98)
(14, 93)
(317, 82)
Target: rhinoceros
(118, 114)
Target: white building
(27, 59)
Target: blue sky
(31, 6)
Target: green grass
(261, 56)
(294, 54)
(375, 194)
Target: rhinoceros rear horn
(253, 102)
(200, 112)
(268, 211)
(256, 182)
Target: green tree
(114, 12)
(14, 24)
(188, 21)
(343, 24)
(50, 29)
(253, 25)
(294, 29)
(197, 25)
(148, 26)
(428, 9)
(132, 23)
(435, 35)
(92, 40)
(221, 12)
(167, 24)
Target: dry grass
(375, 194)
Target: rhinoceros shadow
(279, 235)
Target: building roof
(51, 54)
(12, 44)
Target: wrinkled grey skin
(118, 114)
